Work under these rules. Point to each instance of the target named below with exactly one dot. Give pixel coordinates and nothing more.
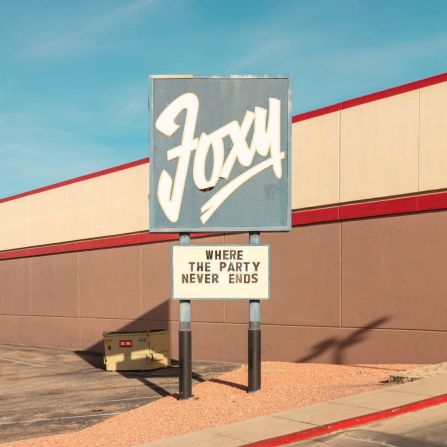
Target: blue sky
(73, 74)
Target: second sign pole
(254, 334)
(184, 341)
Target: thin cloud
(265, 52)
(383, 58)
(82, 36)
(27, 142)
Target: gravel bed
(224, 400)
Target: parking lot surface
(48, 391)
(424, 428)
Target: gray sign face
(220, 154)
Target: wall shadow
(339, 345)
(155, 319)
(158, 318)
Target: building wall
(359, 291)
(356, 280)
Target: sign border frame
(221, 299)
(220, 229)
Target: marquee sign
(220, 272)
(220, 154)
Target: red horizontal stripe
(13, 254)
(433, 202)
(338, 213)
(147, 238)
(77, 179)
(379, 208)
(303, 217)
(405, 88)
(95, 244)
(318, 112)
(348, 423)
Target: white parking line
(124, 400)
(21, 362)
(59, 419)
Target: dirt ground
(223, 400)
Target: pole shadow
(339, 345)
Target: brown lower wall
(370, 290)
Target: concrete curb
(348, 423)
(312, 421)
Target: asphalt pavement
(51, 391)
(423, 428)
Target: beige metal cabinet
(143, 350)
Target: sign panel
(220, 154)
(220, 272)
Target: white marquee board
(230, 272)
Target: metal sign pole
(254, 334)
(184, 341)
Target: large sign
(220, 272)
(220, 154)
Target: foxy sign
(220, 154)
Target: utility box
(136, 351)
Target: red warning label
(125, 343)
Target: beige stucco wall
(384, 148)
(315, 161)
(110, 204)
(14, 229)
(379, 148)
(433, 138)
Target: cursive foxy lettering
(265, 142)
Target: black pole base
(185, 364)
(254, 360)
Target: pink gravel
(224, 400)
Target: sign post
(254, 335)
(184, 341)
(220, 163)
